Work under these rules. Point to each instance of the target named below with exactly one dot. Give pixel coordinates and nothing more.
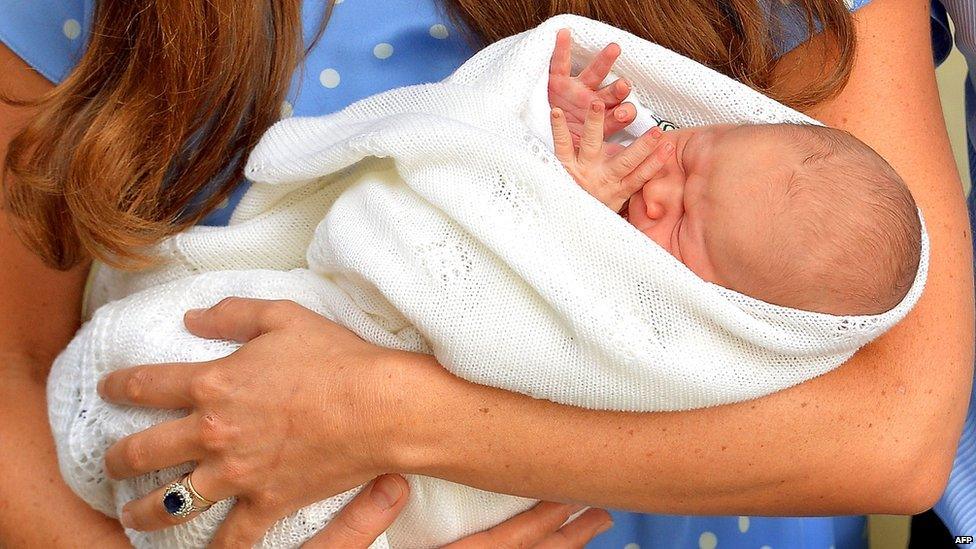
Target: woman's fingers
(523, 530)
(579, 532)
(591, 144)
(562, 138)
(637, 152)
(596, 72)
(561, 62)
(244, 526)
(150, 386)
(165, 445)
(241, 319)
(148, 513)
(367, 516)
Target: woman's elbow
(914, 482)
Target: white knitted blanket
(436, 219)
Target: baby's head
(802, 216)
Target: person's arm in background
(876, 435)
(39, 313)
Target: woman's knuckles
(209, 386)
(215, 436)
(129, 454)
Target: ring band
(181, 498)
(188, 482)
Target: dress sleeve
(49, 35)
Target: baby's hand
(573, 95)
(611, 179)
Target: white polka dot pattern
(383, 50)
(330, 78)
(71, 29)
(439, 31)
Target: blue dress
(371, 46)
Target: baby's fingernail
(385, 492)
(556, 113)
(606, 526)
(621, 114)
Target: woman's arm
(39, 313)
(876, 435)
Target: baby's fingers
(613, 93)
(561, 62)
(591, 144)
(627, 160)
(598, 69)
(619, 118)
(561, 137)
(649, 167)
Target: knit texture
(436, 219)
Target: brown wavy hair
(150, 130)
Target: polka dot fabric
(368, 47)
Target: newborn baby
(802, 216)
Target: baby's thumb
(366, 517)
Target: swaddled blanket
(436, 219)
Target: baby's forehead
(755, 162)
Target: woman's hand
(371, 512)
(290, 418)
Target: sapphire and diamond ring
(181, 498)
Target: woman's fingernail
(100, 389)
(193, 314)
(606, 526)
(126, 519)
(385, 492)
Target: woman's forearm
(843, 443)
(37, 509)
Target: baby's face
(710, 205)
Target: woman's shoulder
(48, 34)
(370, 47)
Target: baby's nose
(662, 198)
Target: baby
(802, 216)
